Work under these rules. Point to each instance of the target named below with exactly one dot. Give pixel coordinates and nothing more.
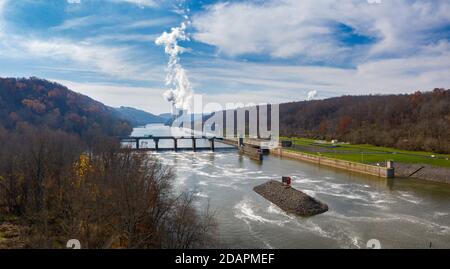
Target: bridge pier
(156, 140)
(138, 143)
(194, 144)
(240, 142)
(212, 141)
(175, 144)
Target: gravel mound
(290, 199)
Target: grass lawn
(369, 153)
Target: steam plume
(311, 95)
(180, 93)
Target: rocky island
(290, 199)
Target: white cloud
(114, 62)
(140, 3)
(282, 83)
(279, 28)
(106, 59)
(113, 26)
(149, 23)
(148, 99)
(287, 28)
(75, 23)
(146, 38)
(408, 54)
(94, 55)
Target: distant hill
(187, 118)
(42, 103)
(419, 121)
(138, 117)
(166, 116)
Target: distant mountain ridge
(138, 117)
(166, 116)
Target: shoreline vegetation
(53, 188)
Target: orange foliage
(344, 124)
(34, 105)
(21, 85)
(75, 118)
(55, 93)
(416, 99)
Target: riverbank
(367, 169)
(369, 159)
(366, 154)
(423, 172)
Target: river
(399, 213)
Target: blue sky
(239, 51)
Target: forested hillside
(64, 174)
(419, 121)
(42, 103)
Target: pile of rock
(290, 199)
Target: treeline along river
(400, 213)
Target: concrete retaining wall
(346, 165)
(253, 153)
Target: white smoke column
(311, 95)
(180, 93)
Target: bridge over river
(252, 147)
(137, 142)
